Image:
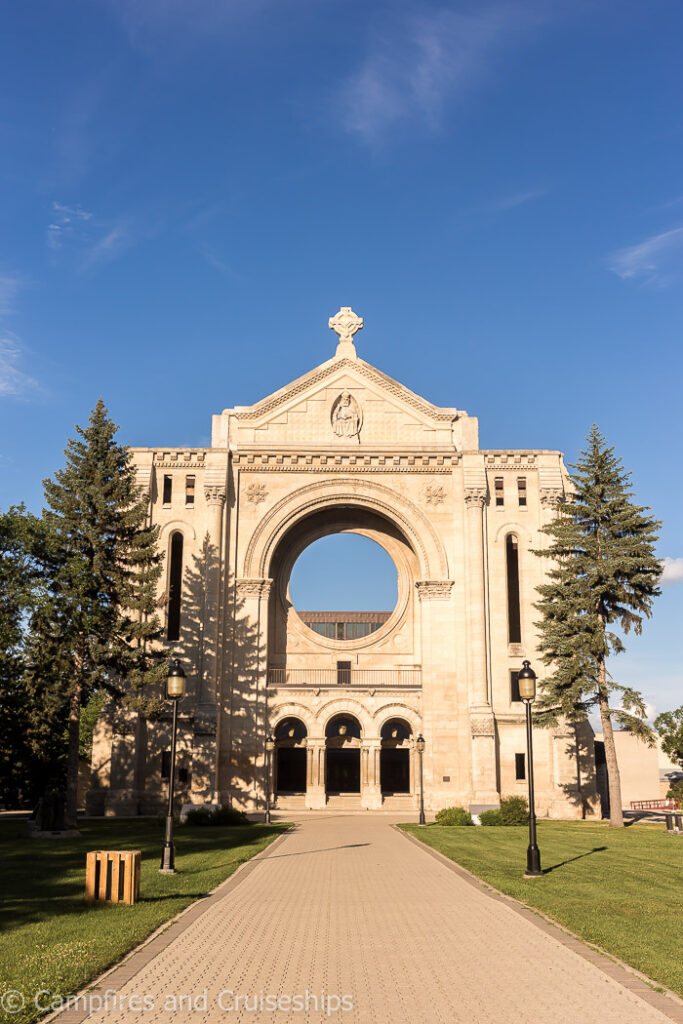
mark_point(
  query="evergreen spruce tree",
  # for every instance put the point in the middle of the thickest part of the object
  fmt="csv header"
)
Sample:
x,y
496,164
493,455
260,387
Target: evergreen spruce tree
x,y
98,628
669,725
603,573
21,591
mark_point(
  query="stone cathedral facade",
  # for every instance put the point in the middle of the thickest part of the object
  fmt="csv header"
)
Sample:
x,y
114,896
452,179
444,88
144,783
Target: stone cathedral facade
x,y
346,449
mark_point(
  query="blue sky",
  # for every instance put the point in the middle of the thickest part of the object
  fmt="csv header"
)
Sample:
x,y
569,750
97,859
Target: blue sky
x,y
344,572
191,187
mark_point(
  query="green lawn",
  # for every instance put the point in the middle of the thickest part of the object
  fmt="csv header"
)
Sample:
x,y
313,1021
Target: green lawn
x,y
620,889
49,939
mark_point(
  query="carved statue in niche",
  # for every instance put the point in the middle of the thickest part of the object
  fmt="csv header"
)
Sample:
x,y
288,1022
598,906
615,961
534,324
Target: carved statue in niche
x,y
346,416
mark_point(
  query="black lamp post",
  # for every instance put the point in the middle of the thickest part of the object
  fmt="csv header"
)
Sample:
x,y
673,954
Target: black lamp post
x,y
270,747
527,692
175,689
420,746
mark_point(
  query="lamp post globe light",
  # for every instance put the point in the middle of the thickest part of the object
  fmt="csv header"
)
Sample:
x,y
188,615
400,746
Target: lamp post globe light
x,y
175,689
527,692
420,746
270,747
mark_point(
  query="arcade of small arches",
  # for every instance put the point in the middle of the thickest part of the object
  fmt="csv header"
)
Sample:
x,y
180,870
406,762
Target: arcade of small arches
x,y
344,758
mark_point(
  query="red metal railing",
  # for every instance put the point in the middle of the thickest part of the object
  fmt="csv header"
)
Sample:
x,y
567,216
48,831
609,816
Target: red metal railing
x,y
656,805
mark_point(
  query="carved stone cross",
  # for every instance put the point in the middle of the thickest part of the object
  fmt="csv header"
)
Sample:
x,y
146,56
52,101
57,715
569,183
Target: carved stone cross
x,y
346,323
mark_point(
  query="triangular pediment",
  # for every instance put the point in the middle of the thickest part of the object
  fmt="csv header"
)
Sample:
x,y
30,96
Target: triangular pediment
x,y
304,412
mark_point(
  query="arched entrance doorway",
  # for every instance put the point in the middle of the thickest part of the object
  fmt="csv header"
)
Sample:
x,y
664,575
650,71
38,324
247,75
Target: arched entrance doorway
x,y
342,756
290,757
394,758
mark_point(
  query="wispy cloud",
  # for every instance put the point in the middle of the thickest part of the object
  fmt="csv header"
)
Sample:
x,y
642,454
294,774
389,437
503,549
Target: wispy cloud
x,y
9,287
14,382
219,264
427,60
657,260
505,203
511,202
670,204
108,246
673,571
65,224
90,239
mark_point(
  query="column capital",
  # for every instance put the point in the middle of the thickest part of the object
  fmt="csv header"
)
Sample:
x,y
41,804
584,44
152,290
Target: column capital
x,y
215,495
550,496
475,497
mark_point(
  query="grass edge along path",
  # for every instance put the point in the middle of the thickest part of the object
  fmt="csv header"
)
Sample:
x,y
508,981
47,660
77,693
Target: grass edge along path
x,y
50,940
616,889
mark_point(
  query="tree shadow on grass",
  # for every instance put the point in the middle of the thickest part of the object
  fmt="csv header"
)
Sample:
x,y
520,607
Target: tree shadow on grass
x,y
569,860
43,878
173,896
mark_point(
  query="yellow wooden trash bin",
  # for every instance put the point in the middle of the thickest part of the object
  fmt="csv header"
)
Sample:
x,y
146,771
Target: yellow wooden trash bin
x,y
112,876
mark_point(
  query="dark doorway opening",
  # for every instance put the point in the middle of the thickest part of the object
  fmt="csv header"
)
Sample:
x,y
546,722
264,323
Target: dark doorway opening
x,y
394,758
291,770
342,757
342,770
394,771
290,756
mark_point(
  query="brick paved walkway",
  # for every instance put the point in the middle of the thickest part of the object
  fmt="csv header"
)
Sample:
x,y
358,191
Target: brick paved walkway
x,y
348,906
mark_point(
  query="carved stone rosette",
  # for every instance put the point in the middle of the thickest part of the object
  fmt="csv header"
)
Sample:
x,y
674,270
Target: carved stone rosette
x,y
483,725
214,495
256,493
475,497
434,590
253,587
434,494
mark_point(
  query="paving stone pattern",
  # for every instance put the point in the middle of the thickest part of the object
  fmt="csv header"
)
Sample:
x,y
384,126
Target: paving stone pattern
x,y
347,906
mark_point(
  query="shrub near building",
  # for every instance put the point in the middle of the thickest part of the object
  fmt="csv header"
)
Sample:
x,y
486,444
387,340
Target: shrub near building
x,y
454,816
514,810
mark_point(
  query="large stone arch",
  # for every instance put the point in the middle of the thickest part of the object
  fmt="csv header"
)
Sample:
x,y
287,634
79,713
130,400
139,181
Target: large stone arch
x,y
407,517
324,522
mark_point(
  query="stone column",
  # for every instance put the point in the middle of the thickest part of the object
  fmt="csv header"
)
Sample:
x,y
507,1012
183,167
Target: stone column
x,y
370,789
204,782
439,702
475,498
414,773
215,500
250,723
315,788
482,725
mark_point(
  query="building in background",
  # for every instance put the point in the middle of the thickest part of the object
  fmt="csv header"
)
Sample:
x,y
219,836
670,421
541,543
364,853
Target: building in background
x,y
646,772
346,448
